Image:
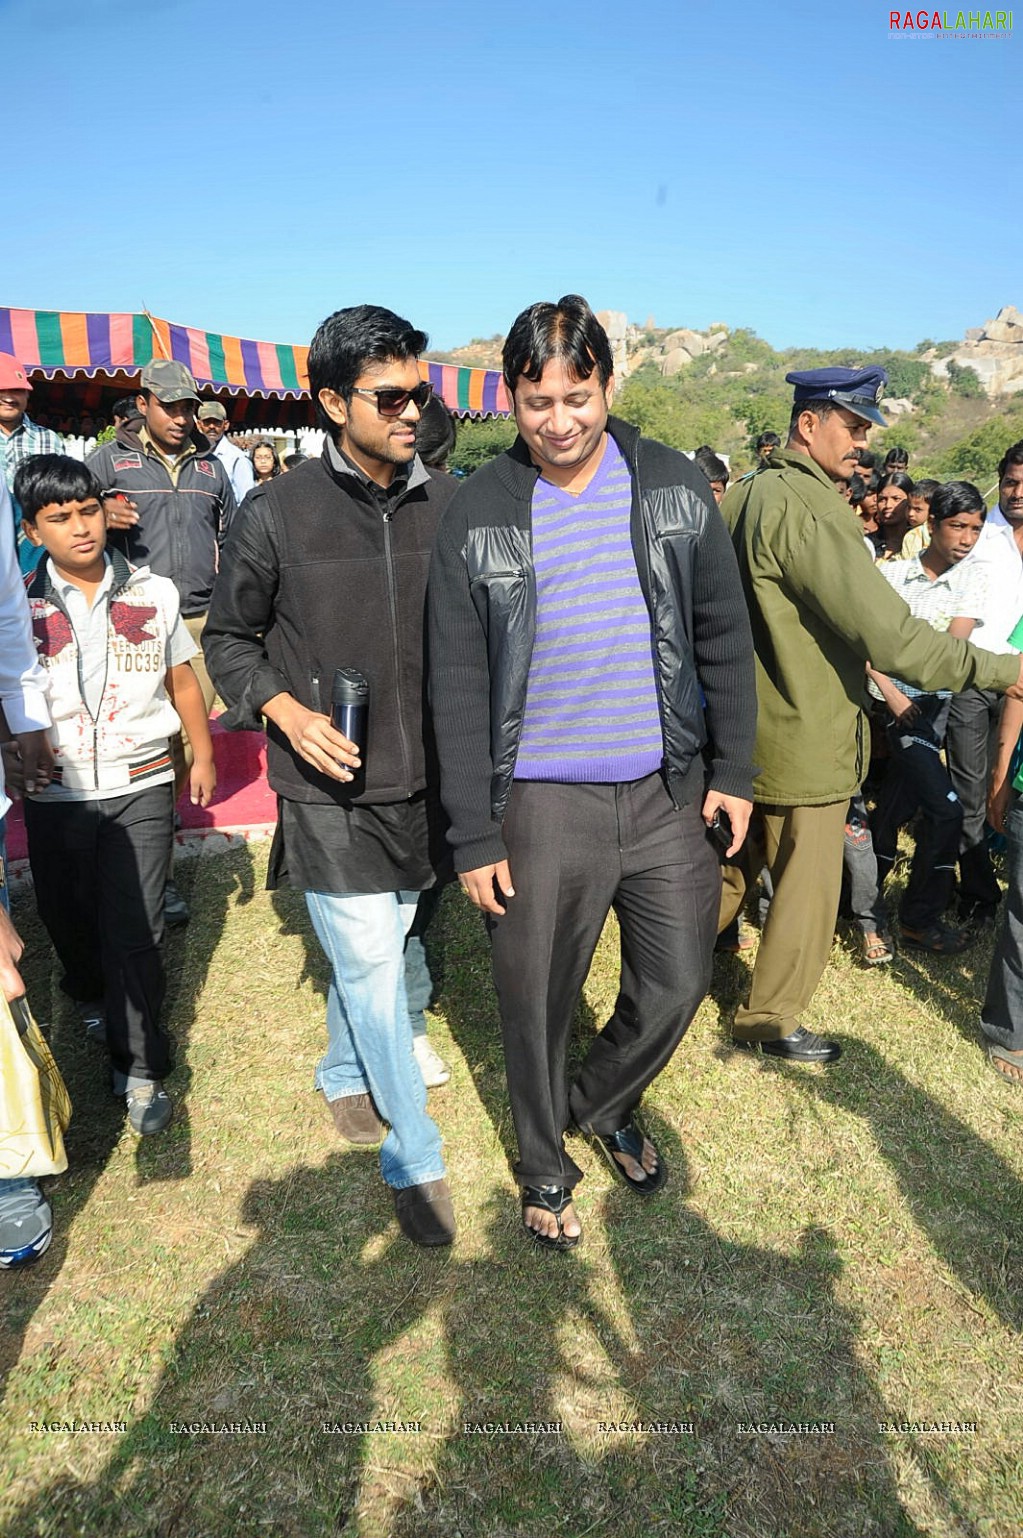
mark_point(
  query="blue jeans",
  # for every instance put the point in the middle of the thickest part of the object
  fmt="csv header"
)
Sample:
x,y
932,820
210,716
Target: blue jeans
x,y
369,1037
418,982
5,893
1001,1018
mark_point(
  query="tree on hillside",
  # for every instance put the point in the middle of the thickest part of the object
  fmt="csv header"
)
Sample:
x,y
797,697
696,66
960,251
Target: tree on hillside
x,y
975,457
479,441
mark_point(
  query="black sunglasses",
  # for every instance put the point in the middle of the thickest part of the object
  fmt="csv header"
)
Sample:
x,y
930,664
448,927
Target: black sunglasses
x,y
391,402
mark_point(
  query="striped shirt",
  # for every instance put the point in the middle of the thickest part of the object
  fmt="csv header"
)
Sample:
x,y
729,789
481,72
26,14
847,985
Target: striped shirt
x,y
26,440
23,443
959,593
591,711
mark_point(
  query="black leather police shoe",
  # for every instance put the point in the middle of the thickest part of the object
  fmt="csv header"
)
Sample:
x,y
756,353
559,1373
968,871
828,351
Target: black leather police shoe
x,y
802,1046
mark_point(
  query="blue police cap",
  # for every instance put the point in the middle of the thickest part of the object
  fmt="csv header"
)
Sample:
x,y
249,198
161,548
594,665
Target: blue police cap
x,y
858,390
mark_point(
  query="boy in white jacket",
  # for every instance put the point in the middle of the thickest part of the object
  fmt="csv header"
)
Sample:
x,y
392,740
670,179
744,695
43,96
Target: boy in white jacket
x,y
116,655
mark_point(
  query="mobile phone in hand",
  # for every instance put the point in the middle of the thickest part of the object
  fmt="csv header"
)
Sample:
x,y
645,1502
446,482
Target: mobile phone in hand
x,y
720,829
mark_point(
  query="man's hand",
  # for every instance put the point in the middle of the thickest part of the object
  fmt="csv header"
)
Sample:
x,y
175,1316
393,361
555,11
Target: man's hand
x,y
478,885
313,737
120,512
909,716
28,763
998,803
36,760
202,781
10,954
739,812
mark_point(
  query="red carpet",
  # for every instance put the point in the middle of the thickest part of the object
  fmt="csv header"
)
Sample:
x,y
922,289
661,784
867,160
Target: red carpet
x,y
244,800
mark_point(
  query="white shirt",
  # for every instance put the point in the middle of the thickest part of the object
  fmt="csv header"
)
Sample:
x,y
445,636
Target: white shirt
x,y
959,593
997,555
22,679
238,467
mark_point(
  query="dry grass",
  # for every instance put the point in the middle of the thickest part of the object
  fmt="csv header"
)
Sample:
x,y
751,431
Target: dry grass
x,y
835,1245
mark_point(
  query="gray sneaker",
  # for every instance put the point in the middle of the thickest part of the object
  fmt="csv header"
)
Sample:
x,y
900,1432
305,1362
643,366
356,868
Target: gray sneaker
x,y
93,1020
150,1108
176,911
26,1223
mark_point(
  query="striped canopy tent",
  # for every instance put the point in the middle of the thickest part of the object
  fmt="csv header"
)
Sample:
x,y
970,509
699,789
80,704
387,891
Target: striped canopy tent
x,y
110,350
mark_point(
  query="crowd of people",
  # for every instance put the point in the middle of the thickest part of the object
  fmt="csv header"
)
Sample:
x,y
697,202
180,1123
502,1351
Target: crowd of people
x,y
597,679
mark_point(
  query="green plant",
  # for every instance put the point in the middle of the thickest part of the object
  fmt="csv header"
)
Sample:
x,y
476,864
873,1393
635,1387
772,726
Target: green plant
x,y
479,441
964,381
975,457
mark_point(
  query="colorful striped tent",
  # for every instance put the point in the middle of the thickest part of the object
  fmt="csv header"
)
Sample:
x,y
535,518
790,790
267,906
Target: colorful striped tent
x,y
112,349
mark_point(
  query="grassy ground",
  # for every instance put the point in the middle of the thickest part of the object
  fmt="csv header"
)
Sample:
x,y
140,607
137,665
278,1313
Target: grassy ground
x,y
836,1247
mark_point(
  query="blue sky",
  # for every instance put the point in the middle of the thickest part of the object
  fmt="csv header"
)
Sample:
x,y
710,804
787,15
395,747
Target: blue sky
x,y
248,168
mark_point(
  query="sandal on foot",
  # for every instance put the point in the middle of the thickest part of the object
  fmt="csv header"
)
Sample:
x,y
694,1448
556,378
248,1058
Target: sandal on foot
x,y
552,1199
1008,1065
937,940
629,1140
876,951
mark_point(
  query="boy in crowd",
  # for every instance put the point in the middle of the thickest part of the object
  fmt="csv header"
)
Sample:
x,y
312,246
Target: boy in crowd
x,y
116,655
973,717
714,468
951,597
918,534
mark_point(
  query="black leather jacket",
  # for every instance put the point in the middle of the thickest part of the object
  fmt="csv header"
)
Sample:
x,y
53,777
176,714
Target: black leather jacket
x,y
482,616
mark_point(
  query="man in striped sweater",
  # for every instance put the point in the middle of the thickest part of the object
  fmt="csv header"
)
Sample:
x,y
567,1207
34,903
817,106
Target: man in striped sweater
x,y
592,687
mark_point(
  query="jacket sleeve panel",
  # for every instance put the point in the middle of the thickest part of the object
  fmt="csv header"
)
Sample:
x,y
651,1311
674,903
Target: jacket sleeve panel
x,y
723,648
241,609
832,573
459,687
100,462
228,506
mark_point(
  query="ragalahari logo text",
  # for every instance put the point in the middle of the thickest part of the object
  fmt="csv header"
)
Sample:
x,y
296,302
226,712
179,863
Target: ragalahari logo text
x,y
952,23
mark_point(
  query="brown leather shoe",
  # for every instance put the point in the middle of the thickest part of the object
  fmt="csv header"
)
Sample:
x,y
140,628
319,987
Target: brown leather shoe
x,y
425,1213
356,1118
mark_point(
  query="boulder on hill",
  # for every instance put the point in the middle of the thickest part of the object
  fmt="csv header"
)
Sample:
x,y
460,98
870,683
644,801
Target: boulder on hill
x,y
1007,326
994,351
674,361
693,342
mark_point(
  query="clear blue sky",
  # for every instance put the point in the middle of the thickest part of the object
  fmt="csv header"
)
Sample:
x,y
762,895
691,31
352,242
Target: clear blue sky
x,y
248,168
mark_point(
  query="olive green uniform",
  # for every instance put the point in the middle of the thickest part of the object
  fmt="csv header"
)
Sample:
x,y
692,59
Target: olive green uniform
x,y
819,611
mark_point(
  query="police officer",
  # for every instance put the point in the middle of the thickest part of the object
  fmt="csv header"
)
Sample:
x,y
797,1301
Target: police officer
x,y
819,610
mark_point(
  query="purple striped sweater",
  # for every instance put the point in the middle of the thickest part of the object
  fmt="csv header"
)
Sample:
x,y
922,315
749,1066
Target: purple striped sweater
x,y
591,711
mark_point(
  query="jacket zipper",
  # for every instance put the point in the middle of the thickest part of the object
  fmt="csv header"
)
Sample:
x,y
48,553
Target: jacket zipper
x,y
638,491
392,600
58,603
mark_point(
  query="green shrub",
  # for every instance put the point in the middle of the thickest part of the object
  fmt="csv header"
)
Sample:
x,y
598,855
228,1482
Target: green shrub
x,y
479,441
964,381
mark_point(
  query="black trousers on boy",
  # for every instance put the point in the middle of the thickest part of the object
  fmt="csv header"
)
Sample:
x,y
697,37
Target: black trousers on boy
x,y
99,869
576,852
971,721
918,780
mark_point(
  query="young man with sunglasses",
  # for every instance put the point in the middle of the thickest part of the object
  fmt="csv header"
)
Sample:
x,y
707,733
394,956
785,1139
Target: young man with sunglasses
x,y
326,568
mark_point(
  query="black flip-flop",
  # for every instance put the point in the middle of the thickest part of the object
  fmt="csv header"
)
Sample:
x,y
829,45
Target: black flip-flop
x,y
629,1140
552,1199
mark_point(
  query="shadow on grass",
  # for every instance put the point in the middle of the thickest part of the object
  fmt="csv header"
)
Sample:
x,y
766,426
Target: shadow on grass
x,y
98,1121
964,1197
331,1321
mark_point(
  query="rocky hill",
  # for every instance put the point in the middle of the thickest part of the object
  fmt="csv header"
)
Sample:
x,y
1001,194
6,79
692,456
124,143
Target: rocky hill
x,y
994,351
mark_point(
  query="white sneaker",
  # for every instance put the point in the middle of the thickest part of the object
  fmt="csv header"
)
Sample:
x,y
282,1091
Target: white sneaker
x,y
432,1066
26,1223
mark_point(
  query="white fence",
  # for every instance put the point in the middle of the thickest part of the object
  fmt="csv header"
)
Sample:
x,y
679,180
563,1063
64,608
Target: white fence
x,y
306,440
